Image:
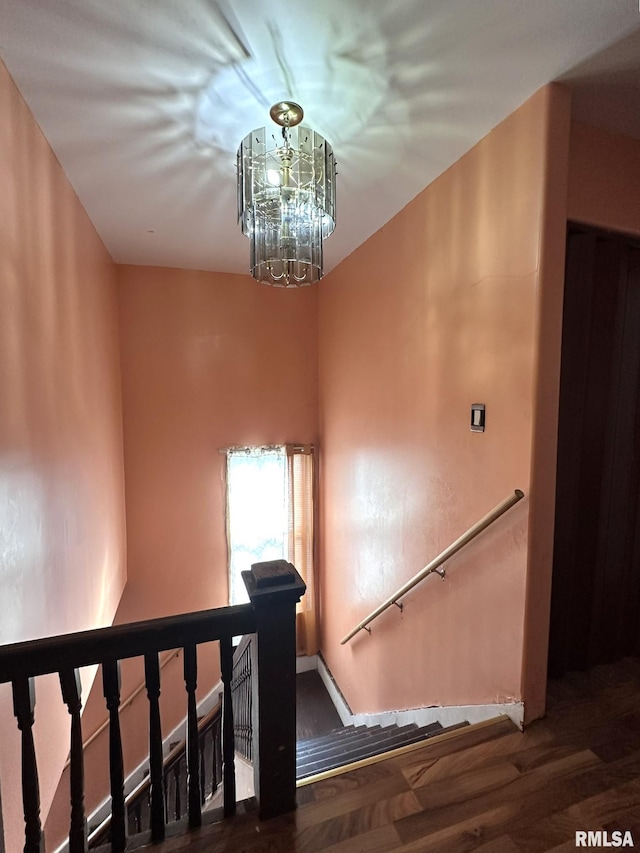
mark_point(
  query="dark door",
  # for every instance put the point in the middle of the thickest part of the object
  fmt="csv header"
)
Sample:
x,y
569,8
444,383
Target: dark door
x,y
595,604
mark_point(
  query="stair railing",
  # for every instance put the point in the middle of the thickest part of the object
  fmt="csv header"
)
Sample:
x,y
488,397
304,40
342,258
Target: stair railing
x,y
434,565
124,703
274,589
138,801
241,691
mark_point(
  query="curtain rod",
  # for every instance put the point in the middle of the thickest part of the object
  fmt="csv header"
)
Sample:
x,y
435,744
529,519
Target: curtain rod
x,y
300,448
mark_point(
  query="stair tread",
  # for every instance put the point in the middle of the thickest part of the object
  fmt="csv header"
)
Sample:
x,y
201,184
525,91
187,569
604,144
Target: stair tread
x,y
352,739
341,732
321,766
366,749
349,740
370,737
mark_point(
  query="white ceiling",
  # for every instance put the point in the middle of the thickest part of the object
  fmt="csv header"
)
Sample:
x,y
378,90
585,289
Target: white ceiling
x,y
145,101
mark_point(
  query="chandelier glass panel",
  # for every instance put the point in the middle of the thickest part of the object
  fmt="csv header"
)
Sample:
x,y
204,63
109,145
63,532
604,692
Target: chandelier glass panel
x,y
286,198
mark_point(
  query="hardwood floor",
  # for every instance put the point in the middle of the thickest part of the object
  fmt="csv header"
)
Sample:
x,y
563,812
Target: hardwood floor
x,y
490,789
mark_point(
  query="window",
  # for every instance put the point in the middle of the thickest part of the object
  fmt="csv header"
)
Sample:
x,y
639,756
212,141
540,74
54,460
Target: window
x,y
270,516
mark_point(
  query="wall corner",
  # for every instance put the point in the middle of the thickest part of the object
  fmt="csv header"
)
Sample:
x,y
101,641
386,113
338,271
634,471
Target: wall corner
x,y
546,385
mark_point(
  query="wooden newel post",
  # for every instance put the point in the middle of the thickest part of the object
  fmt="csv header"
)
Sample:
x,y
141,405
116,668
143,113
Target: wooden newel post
x,y
274,589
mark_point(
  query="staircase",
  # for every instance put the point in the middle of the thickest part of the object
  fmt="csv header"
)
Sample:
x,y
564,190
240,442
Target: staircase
x,y
269,618
349,744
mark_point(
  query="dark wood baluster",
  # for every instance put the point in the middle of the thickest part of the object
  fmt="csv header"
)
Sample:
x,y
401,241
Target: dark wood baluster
x,y
249,710
111,691
238,710
145,811
178,800
156,775
246,689
241,692
71,695
218,752
210,763
228,746
201,748
24,700
193,760
137,817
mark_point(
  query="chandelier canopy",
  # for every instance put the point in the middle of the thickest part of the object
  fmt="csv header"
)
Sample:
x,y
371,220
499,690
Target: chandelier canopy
x,y
286,198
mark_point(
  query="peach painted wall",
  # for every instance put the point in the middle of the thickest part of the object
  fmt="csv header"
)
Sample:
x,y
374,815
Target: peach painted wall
x,y
436,311
604,179
208,361
62,525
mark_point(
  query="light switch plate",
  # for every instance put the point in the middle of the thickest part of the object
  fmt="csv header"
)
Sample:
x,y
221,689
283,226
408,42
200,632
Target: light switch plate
x,y
477,417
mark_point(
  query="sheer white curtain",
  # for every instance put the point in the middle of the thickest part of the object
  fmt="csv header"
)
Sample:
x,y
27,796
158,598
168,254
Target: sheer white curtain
x,y
256,511
270,516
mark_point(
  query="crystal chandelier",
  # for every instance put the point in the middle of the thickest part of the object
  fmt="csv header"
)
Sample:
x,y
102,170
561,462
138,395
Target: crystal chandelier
x,y
286,198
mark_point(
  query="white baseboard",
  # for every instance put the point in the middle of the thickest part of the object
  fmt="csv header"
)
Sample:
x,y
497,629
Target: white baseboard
x,y
446,715
305,663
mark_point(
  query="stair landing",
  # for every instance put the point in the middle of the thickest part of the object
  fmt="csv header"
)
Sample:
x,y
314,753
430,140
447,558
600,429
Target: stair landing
x,y
315,712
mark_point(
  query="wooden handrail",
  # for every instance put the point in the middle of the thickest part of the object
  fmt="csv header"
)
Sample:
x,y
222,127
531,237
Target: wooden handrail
x,y
435,564
86,648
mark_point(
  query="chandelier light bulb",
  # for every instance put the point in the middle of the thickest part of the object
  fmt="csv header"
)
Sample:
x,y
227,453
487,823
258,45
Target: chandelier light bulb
x,y
286,198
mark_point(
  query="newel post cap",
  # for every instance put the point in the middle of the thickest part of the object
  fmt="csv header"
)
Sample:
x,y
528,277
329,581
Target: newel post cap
x,y
273,581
